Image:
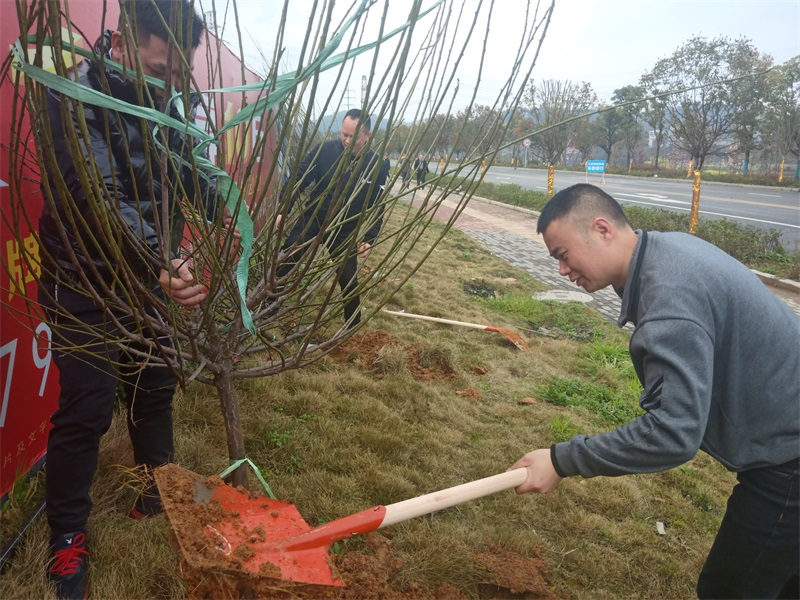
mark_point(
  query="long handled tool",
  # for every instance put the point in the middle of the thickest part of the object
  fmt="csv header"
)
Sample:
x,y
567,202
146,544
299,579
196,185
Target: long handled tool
x,y
232,530
512,336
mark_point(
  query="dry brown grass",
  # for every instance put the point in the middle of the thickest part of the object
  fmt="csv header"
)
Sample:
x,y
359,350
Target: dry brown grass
x,y
335,439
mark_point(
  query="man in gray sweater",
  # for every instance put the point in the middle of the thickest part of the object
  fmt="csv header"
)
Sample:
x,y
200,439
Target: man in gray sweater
x,y
718,357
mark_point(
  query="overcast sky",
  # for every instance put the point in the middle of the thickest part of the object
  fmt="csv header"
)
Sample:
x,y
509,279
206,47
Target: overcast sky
x,y
608,43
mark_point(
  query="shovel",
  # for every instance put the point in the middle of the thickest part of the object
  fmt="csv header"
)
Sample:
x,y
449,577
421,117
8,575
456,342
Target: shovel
x,y
222,529
512,336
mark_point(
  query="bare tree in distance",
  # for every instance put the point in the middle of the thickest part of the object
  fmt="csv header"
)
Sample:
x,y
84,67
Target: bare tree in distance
x,y
552,106
703,117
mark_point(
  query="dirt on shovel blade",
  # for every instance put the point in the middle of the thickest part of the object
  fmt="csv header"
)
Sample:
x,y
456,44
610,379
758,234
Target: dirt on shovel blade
x,y
228,540
227,553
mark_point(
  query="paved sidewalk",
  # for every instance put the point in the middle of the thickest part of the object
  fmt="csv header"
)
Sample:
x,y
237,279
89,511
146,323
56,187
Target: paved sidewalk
x,y
509,232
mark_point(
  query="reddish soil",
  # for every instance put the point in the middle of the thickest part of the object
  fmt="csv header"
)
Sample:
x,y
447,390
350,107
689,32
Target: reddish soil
x,y
363,349
212,567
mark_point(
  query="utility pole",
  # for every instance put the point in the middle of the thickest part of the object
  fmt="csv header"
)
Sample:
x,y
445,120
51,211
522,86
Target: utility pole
x,y
363,90
348,94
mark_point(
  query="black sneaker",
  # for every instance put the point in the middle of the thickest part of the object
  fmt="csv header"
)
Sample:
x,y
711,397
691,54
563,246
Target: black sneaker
x,y
67,569
147,505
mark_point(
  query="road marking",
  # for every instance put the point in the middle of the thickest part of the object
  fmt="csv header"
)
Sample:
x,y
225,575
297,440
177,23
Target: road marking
x,y
655,198
716,214
767,195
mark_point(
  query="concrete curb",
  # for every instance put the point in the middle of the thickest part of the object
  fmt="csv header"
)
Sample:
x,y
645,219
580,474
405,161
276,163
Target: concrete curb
x,y
772,280
769,280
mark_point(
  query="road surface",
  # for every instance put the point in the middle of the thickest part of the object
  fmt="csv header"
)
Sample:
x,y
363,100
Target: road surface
x,y
760,207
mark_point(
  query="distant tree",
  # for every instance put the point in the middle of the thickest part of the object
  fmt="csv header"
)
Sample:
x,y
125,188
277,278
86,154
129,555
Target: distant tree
x,y
782,111
631,136
702,120
479,129
520,126
747,96
653,110
550,103
587,135
610,128
631,131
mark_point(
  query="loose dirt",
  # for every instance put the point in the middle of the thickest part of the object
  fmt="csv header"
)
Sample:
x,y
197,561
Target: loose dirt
x,y
212,569
364,349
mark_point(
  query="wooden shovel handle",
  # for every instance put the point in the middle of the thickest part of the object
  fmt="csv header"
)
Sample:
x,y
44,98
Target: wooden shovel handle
x,y
436,501
434,319
381,516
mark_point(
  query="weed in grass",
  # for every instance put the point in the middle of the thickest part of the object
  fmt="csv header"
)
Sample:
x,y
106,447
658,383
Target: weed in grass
x,y
562,428
278,438
479,289
598,399
570,320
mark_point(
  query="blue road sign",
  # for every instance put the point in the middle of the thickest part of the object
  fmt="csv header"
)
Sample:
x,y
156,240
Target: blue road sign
x,y
595,166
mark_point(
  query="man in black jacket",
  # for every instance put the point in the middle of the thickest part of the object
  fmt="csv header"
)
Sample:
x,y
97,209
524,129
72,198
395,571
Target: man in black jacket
x,y
105,227
421,169
344,186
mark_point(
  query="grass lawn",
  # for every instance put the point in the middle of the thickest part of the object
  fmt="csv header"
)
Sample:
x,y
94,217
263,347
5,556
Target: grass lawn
x,y
410,407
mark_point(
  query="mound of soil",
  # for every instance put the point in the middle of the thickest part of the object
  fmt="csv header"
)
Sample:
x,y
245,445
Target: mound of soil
x,y
212,568
364,349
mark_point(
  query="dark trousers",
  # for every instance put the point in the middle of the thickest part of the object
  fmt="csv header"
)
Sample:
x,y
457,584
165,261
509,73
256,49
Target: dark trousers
x,y
757,551
90,366
348,276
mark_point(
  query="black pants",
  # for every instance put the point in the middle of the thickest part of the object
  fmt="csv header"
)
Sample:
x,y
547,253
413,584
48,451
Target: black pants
x,y
348,276
756,553
90,366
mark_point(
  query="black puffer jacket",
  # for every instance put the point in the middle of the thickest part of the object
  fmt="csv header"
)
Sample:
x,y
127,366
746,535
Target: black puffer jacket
x,y
127,187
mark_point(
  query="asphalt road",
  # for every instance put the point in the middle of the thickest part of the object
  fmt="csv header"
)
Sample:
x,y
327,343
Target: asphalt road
x,y
760,207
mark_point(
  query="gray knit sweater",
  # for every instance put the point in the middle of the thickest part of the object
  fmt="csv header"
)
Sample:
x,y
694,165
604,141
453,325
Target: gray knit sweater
x,y
718,356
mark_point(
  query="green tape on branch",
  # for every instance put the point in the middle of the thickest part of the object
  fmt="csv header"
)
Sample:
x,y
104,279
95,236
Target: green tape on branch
x,y
107,62
236,464
281,87
283,84
88,95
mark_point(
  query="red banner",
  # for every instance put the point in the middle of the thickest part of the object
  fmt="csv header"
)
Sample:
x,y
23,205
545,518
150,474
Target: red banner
x,y
28,377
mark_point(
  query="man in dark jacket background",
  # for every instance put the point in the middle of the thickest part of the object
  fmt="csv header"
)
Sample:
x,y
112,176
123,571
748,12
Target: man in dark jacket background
x,y
718,357
421,168
106,229
344,184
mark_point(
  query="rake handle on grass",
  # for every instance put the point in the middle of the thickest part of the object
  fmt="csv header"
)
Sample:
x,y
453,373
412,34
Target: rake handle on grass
x,y
381,516
438,320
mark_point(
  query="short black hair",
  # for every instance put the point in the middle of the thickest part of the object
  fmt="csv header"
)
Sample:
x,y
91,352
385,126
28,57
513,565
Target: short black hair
x,y
153,17
355,113
580,200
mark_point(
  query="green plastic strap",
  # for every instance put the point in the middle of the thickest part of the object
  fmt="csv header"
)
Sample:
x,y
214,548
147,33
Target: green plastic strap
x,y
227,189
107,62
91,96
236,464
283,85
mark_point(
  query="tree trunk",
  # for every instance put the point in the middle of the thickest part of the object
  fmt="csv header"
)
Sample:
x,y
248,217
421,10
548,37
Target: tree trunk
x,y
233,422
746,161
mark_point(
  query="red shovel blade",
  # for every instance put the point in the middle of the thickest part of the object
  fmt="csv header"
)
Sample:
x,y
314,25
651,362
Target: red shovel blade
x,y
257,528
222,529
